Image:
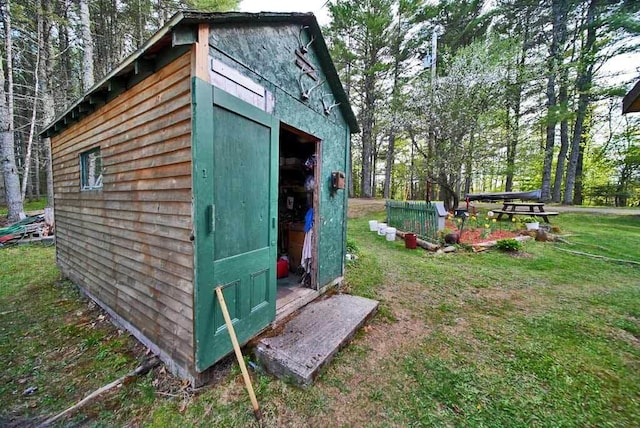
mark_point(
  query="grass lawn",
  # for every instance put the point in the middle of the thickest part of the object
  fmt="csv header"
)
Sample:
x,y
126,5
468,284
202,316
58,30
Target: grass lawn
x,y
34,205
545,338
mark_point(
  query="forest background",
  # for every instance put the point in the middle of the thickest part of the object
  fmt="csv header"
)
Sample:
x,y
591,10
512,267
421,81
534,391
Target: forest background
x,y
452,97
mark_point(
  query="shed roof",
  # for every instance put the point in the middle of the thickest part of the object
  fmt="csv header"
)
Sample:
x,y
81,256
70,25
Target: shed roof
x,y
631,101
143,62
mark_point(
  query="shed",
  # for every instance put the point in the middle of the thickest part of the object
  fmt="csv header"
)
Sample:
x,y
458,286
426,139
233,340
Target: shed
x,y
631,101
195,163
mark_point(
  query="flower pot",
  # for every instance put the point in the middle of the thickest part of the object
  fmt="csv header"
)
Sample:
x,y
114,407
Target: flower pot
x,y
533,226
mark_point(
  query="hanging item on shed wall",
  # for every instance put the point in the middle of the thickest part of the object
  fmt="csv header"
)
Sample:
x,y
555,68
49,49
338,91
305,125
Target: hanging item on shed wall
x,y
337,180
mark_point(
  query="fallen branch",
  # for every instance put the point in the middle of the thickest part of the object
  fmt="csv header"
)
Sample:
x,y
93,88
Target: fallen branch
x,y
140,370
421,242
595,256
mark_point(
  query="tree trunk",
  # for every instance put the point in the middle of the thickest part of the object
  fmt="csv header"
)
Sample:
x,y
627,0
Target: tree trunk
x,y
367,136
564,139
389,165
7,154
48,107
577,193
559,31
514,135
36,171
87,43
583,87
34,110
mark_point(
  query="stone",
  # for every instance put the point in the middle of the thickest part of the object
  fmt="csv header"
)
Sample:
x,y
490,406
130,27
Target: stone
x,y
310,340
449,249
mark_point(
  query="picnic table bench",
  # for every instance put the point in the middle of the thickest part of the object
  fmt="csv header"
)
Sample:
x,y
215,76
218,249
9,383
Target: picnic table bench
x,y
512,209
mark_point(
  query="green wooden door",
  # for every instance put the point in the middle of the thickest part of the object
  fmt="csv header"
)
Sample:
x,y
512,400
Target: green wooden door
x,y
242,229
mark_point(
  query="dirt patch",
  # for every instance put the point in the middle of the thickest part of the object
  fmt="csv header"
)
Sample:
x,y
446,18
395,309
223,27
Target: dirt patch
x,y
360,207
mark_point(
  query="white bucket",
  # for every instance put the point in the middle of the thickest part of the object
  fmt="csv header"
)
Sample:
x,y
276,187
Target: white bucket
x,y
391,233
382,229
533,226
373,225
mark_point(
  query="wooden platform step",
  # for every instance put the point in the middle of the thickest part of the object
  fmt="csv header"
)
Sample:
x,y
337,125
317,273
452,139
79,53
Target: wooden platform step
x,y
311,339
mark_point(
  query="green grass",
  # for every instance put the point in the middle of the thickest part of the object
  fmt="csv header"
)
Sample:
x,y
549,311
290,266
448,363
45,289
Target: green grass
x,y
35,205
541,338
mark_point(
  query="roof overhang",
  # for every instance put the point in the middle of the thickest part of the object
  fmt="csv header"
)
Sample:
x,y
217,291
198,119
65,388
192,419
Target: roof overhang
x,y
177,34
631,101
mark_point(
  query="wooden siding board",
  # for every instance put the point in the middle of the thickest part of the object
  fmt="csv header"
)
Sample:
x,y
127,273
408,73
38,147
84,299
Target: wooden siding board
x,y
126,308
158,230
179,195
153,267
126,291
175,71
172,297
182,246
118,129
173,262
129,243
178,222
169,130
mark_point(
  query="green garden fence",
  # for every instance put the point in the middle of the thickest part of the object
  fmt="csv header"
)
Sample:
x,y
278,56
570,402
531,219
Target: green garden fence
x,y
416,217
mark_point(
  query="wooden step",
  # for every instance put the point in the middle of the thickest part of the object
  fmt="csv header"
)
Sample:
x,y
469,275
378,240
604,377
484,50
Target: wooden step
x,y
312,338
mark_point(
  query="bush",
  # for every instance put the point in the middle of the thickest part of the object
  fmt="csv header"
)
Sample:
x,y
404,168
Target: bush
x,y
352,247
509,244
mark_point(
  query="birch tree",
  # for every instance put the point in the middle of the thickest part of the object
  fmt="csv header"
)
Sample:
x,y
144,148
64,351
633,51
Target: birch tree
x,y
87,44
7,152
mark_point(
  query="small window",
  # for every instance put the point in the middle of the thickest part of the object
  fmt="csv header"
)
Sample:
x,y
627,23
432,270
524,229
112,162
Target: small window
x,y
91,169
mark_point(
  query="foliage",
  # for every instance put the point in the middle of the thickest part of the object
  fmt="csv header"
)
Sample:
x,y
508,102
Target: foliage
x,y
508,245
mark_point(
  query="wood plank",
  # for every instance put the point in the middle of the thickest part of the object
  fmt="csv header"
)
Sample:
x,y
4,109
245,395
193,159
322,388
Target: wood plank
x,y
163,171
155,117
161,330
166,208
161,159
130,120
179,299
184,260
200,54
170,183
177,222
149,228
184,246
143,195
173,72
96,285
145,263
165,134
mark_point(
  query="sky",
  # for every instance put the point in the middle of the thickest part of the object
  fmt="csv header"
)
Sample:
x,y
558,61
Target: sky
x,y
315,6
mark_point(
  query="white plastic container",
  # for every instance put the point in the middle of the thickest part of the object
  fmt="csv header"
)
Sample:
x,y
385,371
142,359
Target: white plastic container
x,y
382,229
391,233
533,226
373,225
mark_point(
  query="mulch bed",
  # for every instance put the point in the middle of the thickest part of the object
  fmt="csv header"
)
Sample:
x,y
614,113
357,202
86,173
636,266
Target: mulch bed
x,y
475,236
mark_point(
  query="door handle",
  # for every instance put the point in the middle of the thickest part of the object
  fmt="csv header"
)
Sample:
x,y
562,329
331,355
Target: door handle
x,y
211,218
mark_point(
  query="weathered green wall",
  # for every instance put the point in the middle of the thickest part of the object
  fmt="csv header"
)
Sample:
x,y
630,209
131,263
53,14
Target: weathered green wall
x,y
266,54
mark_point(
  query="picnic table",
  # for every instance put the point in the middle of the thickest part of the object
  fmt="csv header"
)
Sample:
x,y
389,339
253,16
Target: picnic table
x,y
512,209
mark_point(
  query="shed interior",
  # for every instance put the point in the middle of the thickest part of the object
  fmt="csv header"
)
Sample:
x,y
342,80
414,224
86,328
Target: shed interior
x,y
297,203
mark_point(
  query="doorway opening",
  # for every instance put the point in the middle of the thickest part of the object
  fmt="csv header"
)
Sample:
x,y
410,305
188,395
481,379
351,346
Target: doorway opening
x,y
298,193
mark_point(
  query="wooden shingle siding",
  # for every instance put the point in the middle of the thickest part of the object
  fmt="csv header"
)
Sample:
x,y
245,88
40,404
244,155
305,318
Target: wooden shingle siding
x,y
128,244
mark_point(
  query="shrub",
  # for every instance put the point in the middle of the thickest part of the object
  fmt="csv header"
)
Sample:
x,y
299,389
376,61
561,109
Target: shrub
x,y
509,244
352,247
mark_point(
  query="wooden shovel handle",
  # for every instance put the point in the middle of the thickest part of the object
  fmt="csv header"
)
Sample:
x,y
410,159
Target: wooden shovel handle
x,y
236,348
